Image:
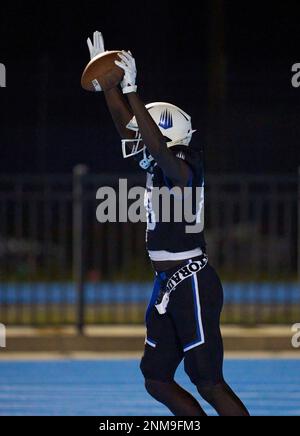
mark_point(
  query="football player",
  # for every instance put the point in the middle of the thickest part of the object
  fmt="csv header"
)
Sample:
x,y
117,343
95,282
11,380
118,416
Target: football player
x,y
183,316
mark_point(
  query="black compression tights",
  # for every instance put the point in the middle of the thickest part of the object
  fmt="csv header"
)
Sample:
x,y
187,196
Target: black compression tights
x,y
181,403
174,397
222,398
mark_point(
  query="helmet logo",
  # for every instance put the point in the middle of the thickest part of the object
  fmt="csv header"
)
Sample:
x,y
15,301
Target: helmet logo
x,y
166,120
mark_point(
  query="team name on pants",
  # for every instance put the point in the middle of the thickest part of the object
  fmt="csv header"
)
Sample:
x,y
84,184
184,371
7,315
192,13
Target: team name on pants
x,y
184,272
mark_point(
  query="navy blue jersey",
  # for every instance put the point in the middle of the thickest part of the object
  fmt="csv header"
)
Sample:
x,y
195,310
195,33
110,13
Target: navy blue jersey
x,y
170,240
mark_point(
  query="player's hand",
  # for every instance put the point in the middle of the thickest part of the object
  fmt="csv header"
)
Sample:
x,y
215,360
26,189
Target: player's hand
x,y
97,46
127,63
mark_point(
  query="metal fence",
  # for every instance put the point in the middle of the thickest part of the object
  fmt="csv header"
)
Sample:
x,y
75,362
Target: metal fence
x,y
58,265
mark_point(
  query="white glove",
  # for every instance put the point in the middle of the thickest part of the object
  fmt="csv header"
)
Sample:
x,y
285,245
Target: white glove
x,y
97,46
127,63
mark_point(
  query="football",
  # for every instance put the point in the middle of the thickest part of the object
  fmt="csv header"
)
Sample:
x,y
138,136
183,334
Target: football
x,y
101,73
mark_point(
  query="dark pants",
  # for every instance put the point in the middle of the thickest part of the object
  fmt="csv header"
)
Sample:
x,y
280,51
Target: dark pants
x,y
189,330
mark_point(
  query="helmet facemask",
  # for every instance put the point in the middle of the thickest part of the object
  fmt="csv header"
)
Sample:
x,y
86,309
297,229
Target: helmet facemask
x,y
134,147
164,120
131,147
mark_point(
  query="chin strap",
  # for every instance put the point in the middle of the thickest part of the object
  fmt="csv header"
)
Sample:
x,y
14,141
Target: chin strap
x,y
146,161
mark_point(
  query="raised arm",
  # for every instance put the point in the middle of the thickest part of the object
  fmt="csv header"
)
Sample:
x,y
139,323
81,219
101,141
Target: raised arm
x,y
175,169
120,111
116,102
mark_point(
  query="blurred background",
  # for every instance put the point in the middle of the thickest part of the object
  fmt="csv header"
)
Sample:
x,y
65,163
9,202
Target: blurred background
x,y
226,63
73,292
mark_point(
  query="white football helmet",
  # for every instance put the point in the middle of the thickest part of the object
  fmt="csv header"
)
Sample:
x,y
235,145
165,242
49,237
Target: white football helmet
x,y
174,124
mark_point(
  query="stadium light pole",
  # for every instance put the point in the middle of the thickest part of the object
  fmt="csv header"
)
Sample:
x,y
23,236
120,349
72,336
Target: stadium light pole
x,y
79,173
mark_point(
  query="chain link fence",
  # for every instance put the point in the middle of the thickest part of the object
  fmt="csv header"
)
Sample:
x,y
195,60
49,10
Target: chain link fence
x,y
59,266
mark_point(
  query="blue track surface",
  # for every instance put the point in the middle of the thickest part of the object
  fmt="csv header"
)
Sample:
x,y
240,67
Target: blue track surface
x,y
135,292
115,387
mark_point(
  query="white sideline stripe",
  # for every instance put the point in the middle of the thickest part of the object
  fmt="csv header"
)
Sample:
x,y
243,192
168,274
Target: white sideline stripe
x,y
194,276
193,346
150,343
158,255
195,280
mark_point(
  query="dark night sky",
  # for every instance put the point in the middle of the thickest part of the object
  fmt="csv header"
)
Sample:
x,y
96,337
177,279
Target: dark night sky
x,y
48,123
